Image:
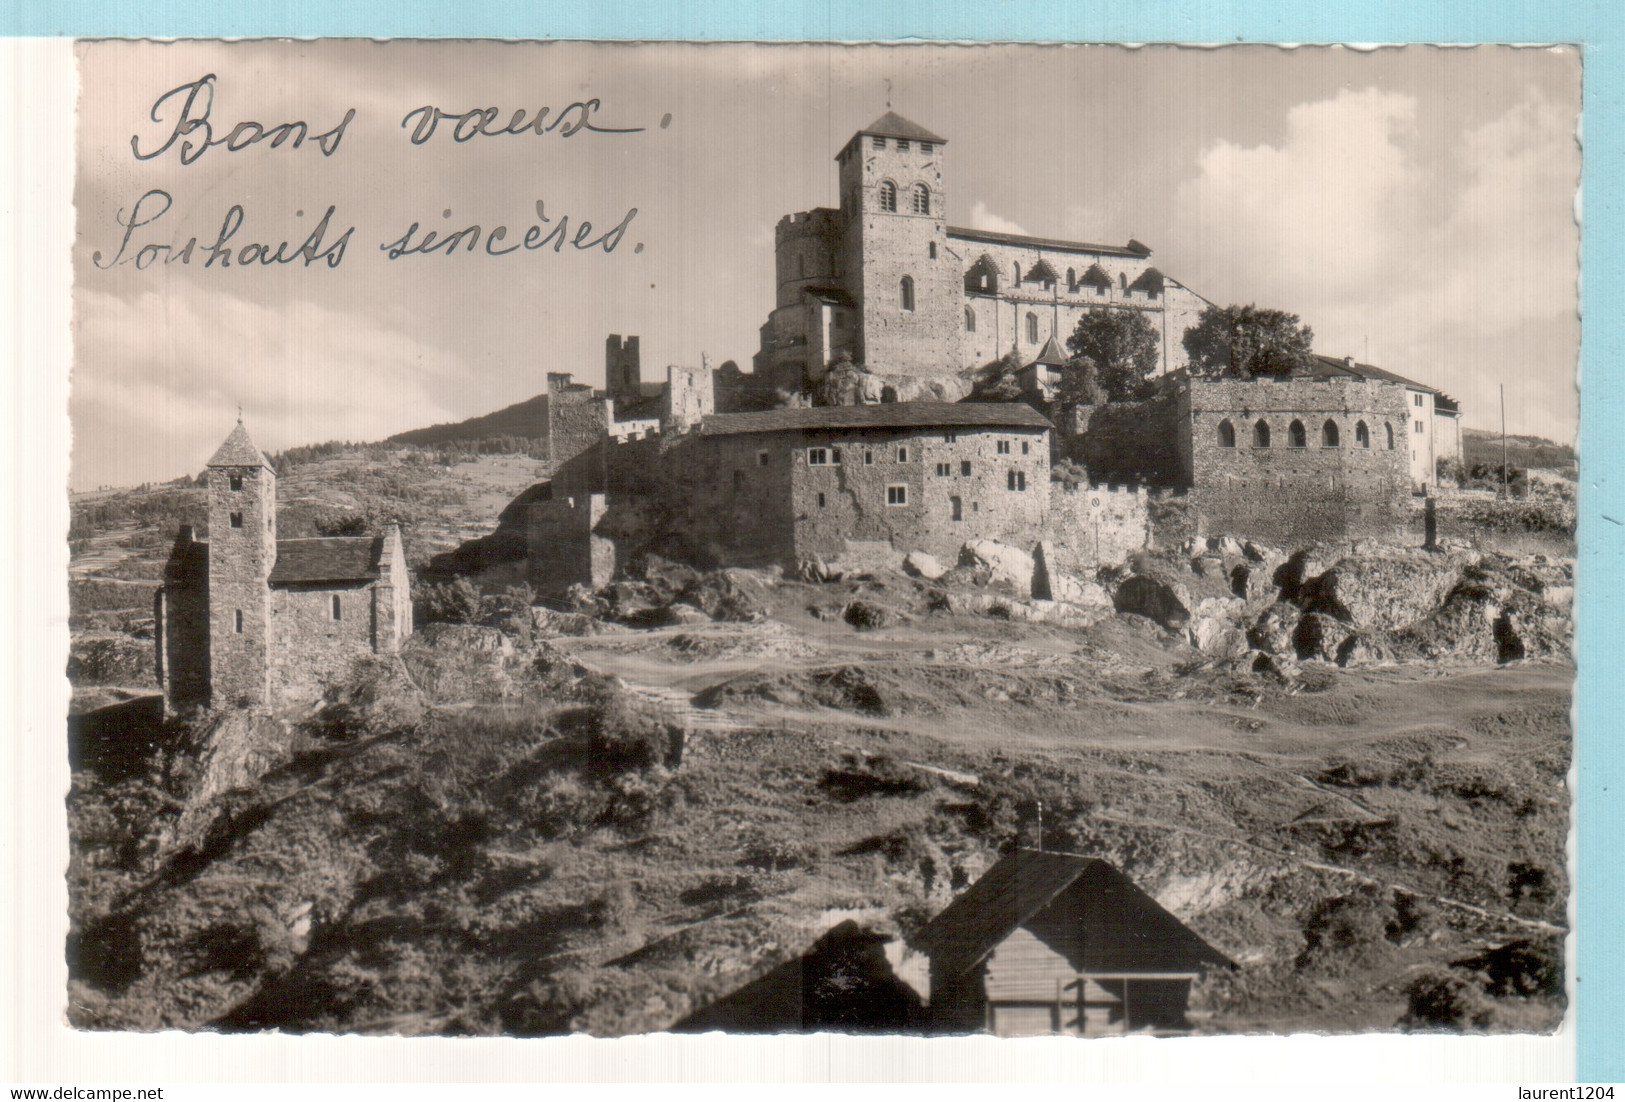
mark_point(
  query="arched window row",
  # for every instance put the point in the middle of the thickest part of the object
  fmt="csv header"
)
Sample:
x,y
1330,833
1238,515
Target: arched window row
x,y
919,197
1297,435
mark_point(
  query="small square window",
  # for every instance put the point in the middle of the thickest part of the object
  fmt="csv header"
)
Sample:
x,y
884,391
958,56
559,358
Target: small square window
x,y
1416,399
868,458
1024,447
817,457
896,495
964,467
236,520
902,144
236,482
1004,447
950,437
902,455
835,455
878,143
1418,428
761,459
944,470
927,147
820,499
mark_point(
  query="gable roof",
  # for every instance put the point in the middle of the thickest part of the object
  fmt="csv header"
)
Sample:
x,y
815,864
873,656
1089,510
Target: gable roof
x,y
1149,280
885,415
1041,272
1120,928
239,451
965,233
328,559
893,125
1096,275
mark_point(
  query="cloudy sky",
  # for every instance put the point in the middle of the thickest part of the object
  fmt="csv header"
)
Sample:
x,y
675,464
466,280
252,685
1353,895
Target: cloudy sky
x,y
1415,206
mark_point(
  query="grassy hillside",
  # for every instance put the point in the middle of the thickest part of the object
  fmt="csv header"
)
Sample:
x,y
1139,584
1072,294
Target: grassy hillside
x,y
525,420
1480,447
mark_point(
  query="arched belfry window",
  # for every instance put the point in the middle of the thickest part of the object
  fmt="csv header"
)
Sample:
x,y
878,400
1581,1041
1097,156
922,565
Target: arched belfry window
x,y
1032,328
1261,434
888,195
1362,434
1389,429
905,293
1328,434
920,198
1227,434
1296,437
970,320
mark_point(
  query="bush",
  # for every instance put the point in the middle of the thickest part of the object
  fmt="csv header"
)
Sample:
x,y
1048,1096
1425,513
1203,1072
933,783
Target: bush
x,y
624,735
1441,999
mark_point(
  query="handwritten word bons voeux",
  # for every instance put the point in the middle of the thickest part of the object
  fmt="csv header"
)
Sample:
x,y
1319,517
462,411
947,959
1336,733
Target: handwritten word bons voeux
x,y
194,120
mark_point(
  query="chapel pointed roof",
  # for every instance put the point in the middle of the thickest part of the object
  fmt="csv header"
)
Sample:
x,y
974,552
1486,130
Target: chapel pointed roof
x,y
239,451
893,125
1051,355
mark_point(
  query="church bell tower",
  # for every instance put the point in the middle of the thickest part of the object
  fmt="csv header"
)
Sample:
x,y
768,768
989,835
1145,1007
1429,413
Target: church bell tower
x,y
242,551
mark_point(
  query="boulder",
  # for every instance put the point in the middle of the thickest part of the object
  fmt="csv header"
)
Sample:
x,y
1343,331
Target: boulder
x,y
1217,638
1363,650
1320,636
922,565
1301,567
1166,602
1273,631
1050,584
1382,593
1010,565
731,594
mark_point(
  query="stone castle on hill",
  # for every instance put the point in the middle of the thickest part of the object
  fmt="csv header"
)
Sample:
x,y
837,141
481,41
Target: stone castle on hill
x,y
245,619
884,280
695,468
724,467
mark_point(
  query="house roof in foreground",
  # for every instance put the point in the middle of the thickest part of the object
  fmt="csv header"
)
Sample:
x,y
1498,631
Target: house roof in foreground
x,y
1116,926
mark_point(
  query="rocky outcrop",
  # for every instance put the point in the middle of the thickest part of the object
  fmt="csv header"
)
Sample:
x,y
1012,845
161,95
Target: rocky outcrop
x,y
1008,565
1383,592
921,565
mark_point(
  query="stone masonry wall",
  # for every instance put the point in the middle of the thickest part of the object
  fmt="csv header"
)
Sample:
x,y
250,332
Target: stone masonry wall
x,y
181,622
1290,494
240,560
1093,526
576,419
312,647
930,465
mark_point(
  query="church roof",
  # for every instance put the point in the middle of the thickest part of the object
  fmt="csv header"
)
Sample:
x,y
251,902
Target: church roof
x,y
965,233
239,451
893,125
1328,367
1116,927
1042,272
1051,356
884,415
1096,276
327,559
1149,280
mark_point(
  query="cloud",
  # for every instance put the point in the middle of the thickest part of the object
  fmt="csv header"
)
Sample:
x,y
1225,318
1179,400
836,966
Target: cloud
x,y
983,219
1448,254
163,373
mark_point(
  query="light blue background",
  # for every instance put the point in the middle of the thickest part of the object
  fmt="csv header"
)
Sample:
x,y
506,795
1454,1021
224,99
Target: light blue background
x,y
1598,25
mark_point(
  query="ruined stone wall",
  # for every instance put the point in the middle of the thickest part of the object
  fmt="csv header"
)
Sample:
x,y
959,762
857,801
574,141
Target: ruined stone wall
x,y
931,467
313,648
576,418
391,596
240,559
623,371
181,632
691,395
1093,526
560,547
1283,493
